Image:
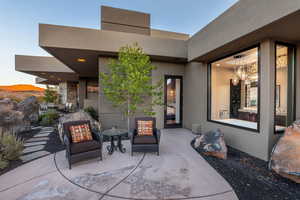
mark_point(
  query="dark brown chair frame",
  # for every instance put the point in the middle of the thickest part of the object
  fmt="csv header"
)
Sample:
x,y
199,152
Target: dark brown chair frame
x,y
72,158
154,147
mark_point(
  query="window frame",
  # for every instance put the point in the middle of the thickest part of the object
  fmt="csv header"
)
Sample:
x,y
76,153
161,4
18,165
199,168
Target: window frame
x,y
294,82
209,89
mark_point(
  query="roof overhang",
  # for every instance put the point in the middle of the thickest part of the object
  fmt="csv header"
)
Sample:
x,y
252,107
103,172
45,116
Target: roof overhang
x,y
246,23
67,44
47,68
39,80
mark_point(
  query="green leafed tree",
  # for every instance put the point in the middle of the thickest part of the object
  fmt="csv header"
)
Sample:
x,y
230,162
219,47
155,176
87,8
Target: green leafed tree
x,y
128,83
50,95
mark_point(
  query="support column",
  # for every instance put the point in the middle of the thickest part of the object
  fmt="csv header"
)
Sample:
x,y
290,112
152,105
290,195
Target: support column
x,y
82,92
72,93
267,93
297,82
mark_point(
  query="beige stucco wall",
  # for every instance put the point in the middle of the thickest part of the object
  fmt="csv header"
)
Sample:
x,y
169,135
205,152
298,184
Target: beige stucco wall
x,y
112,116
81,92
193,94
122,20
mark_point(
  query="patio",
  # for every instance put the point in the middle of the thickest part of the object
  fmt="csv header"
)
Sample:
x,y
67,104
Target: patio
x,y
178,173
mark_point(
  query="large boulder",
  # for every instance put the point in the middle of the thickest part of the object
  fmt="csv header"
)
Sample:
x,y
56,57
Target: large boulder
x,y
77,116
11,119
7,105
285,158
30,108
212,143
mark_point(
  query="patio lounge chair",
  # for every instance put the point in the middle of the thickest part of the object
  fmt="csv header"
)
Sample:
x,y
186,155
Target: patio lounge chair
x,y
78,151
145,138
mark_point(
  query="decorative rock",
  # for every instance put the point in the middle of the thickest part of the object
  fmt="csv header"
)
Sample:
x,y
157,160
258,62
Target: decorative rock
x,y
7,105
11,119
77,116
285,158
212,143
30,109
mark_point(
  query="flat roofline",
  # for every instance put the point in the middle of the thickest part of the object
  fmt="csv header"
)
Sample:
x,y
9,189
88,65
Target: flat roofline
x,y
237,23
39,63
104,41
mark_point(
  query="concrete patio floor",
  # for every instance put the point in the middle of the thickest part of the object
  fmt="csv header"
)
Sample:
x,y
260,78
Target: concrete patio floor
x,y
178,173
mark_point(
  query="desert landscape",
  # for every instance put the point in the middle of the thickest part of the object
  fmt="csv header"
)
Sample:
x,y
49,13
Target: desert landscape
x,y
20,92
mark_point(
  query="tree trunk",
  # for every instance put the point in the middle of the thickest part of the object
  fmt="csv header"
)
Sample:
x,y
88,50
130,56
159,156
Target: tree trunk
x,y
128,117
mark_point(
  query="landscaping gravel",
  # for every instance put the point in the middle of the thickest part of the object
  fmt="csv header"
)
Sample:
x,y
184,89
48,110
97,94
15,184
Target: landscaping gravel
x,y
251,179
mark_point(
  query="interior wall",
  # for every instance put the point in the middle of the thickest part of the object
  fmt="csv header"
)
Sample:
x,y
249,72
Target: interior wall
x,y
281,80
221,90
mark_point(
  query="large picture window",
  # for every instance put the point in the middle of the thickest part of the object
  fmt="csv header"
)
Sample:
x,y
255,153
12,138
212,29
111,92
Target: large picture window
x,y
234,90
284,86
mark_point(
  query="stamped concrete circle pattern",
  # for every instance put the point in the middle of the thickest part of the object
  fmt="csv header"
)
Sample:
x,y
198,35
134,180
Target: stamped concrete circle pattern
x,y
178,173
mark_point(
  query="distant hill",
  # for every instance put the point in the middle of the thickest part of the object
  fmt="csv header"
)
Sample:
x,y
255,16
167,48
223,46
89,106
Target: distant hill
x,y
21,88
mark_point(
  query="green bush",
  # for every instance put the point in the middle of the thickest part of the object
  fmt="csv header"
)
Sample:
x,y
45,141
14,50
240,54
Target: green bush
x,y
92,112
3,163
10,149
49,118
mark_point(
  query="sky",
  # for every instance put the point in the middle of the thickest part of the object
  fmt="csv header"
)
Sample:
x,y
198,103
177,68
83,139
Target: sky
x,y
19,21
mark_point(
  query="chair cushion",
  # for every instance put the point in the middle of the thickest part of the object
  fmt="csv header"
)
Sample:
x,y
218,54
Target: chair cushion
x,y
145,127
85,146
80,133
144,140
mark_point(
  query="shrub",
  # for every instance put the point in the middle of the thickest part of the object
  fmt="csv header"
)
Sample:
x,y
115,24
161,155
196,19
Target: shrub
x,y
92,112
48,118
10,149
3,163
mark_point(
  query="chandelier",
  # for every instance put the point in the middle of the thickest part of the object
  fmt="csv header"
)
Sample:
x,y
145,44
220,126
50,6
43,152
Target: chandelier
x,y
243,70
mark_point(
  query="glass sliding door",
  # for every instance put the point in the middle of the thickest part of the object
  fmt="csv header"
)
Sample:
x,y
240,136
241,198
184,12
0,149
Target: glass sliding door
x,y
284,86
173,102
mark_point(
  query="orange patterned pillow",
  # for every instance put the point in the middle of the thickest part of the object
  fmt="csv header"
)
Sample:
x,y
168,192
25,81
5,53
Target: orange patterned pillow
x,y
81,133
145,127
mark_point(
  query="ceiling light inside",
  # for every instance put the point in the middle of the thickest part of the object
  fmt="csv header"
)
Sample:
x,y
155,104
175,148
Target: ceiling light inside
x,y
82,60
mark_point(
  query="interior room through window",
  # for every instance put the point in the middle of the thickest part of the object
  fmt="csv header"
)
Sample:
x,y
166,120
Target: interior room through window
x,y
234,90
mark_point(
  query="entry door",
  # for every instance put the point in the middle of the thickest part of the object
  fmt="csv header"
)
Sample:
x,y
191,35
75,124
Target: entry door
x,y
173,102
